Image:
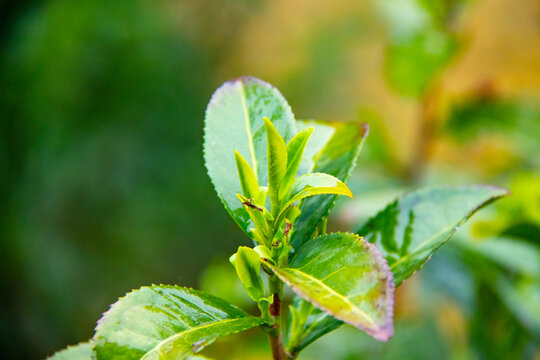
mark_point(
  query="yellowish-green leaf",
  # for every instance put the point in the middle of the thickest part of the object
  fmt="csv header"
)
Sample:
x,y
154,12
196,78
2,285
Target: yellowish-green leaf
x,y
263,252
346,277
332,149
315,184
408,231
82,351
295,150
248,265
248,181
234,121
256,213
277,161
166,322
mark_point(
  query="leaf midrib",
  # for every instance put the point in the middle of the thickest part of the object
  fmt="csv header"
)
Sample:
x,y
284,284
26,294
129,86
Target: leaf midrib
x,y
447,229
247,123
186,332
332,291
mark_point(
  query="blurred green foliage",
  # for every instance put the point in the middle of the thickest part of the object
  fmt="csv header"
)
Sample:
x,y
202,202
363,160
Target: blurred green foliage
x,y
103,189
105,101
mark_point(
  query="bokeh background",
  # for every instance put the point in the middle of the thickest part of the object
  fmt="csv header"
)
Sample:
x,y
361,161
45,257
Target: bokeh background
x,y
103,187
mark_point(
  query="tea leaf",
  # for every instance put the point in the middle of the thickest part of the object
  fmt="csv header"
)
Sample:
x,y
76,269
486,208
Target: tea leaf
x,y
410,229
310,185
234,121
277,161
315,184
347,278
166,322
248,181
248,264
416,224
295,150
333,150
82,351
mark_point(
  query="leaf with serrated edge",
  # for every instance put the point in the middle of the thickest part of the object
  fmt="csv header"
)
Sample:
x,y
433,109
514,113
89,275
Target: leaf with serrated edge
x,y
347,278
411,228
82,351
166,322
333,149
234,121
438,213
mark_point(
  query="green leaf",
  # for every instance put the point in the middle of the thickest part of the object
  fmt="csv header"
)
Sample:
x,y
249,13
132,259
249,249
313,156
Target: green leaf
x,y
310,185
316,184
248,181
82,351
263,252
347,278
295,150
166,322
234,121
415,225
257,215
277,161
333,149
248,264
410,229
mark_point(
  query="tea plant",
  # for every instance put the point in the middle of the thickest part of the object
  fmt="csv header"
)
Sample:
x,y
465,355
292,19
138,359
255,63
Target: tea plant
x,y
279,178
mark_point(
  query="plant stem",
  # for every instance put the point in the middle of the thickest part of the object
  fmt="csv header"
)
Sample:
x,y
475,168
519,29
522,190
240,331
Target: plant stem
x,y
278,352
276,288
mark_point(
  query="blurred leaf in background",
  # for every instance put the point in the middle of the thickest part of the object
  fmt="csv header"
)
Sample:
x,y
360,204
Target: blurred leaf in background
x,y
105,105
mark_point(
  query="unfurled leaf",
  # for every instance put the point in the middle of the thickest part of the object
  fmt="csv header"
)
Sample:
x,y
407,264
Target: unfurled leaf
x,y
263,252
333,149
248,181
416,224
346,277
166,322
82,351
277,161
248,265
234,121
410,229
314,184
295,150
